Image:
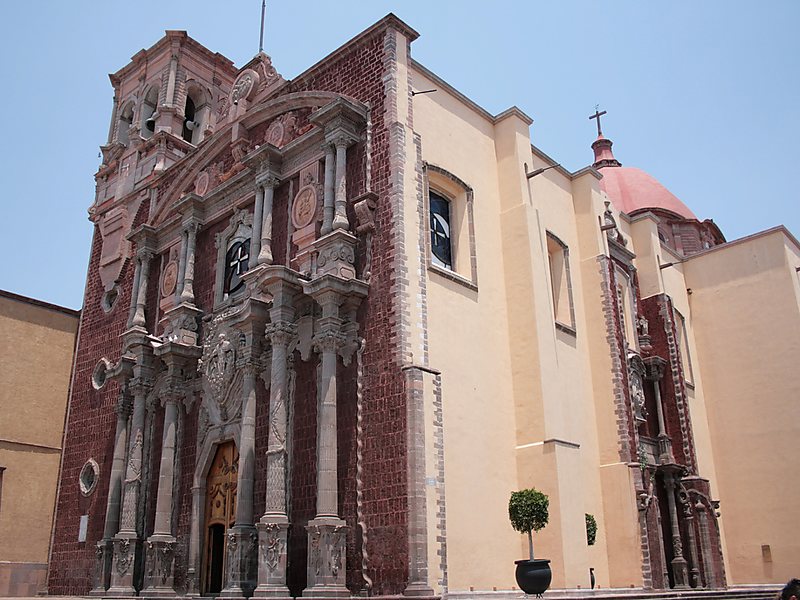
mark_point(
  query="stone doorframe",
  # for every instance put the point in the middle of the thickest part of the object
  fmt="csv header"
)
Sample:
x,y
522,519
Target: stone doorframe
x,y
215,436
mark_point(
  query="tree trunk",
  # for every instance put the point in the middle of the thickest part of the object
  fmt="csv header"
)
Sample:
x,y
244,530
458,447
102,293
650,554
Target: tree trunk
x,y
530,544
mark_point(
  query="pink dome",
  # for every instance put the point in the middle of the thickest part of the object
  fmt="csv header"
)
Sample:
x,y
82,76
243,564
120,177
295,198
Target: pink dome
x,y
631,190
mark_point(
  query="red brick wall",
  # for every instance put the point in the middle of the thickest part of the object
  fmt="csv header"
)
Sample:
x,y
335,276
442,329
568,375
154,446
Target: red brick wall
x,y
91,423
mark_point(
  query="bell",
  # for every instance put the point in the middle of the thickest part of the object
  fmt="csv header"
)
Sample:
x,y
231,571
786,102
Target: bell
x,y
192,125
150,123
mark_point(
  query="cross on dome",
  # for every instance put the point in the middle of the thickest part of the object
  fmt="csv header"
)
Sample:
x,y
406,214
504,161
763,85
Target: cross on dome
x,y
597,114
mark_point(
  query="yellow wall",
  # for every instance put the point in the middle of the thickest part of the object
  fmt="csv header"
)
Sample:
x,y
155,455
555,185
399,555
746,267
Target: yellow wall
x,y
745,307
474,360
36,354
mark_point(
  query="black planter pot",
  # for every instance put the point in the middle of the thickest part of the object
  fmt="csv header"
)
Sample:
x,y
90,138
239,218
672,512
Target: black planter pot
x,y
534,576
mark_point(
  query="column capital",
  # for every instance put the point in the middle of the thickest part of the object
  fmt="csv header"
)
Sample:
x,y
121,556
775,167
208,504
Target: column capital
x,y
191,225
124,405
328,341
267,179
265,158
281,333
140,386
191,207
144,237
342,138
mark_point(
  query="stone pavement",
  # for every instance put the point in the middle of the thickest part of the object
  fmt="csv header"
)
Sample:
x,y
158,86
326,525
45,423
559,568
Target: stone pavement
x,y
750,592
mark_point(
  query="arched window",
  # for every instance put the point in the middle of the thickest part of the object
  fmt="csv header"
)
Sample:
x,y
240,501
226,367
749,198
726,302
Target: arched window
x,y
233,258
195,113
236,262
451,228
149,114
124,122
441,249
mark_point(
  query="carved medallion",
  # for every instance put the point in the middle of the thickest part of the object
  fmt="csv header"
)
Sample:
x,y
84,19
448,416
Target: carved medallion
x,y
169,280
275,133
245,86
304,207
202,183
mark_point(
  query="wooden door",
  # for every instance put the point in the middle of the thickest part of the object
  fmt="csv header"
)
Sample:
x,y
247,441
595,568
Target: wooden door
x,y
220,515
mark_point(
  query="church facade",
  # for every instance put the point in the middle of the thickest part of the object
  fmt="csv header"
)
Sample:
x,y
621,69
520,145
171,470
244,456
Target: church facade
x,y
330,324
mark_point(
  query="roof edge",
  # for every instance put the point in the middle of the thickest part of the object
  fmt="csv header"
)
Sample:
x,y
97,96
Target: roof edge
x,y
749,238
389,21
40,303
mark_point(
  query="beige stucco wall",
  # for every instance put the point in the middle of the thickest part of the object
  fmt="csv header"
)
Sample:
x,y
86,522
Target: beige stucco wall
x,y
529,404
467,337
36,354
523,388
745,307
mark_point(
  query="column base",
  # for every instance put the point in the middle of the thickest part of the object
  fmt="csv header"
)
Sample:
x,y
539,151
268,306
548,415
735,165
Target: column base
x,y
680,574
242,569
104,554
272,537
159,567
125,564
327,539
419,590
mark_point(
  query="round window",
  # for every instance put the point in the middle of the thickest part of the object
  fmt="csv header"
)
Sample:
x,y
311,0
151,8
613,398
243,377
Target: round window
x,y
90,475
109,299
100,373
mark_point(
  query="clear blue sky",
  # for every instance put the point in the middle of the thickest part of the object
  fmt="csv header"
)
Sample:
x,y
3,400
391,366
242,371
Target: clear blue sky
x,y
704,95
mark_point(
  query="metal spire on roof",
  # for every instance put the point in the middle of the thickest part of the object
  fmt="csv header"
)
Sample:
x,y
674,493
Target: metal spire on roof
x,y
261,36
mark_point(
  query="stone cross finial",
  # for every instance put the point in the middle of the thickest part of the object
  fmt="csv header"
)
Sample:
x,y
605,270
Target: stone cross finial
x,y
597,114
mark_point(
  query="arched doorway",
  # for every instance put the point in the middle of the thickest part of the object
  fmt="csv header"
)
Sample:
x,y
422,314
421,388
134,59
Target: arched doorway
x,y
220,514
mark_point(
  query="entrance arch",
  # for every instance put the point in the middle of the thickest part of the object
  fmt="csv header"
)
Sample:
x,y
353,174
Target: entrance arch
x,y
219,515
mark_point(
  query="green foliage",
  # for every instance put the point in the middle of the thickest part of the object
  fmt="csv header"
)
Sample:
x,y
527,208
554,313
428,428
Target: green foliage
x,y
528,510
591,529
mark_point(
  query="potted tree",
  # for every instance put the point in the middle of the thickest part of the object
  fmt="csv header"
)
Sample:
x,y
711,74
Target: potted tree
x,y
528,511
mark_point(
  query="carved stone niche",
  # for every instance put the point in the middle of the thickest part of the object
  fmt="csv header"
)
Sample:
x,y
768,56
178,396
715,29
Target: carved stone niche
x,y
636,377
168,282
306,209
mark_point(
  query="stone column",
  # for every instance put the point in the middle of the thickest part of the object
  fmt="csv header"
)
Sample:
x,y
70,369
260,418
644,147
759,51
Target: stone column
x,y
187,294
182,263
664,442
705,543
679,570
160,549
137,275
340,214
274,524
104,549
141,292
328,202
258,216
127,544
694,570
327,532
243,537
265,254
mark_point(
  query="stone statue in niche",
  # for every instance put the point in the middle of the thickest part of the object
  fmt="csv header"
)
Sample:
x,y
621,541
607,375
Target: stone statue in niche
x,y
642,325
217,365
